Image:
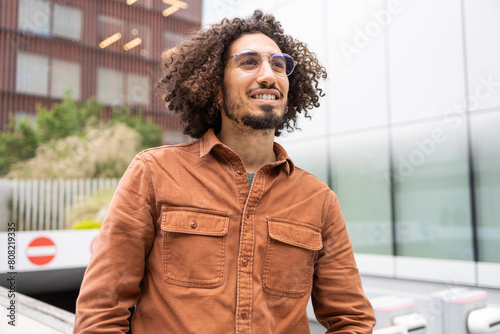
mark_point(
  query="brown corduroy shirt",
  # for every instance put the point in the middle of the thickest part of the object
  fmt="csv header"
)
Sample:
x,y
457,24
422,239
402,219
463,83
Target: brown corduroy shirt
x,y
196,250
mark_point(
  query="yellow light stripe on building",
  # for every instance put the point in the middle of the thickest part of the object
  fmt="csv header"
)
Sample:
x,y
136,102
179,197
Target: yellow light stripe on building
x,y
132,44
177,3
110,40
170,10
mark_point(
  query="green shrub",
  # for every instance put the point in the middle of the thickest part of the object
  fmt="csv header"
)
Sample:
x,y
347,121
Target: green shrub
x,y
17,144
65,142
104,152
91,211
86,225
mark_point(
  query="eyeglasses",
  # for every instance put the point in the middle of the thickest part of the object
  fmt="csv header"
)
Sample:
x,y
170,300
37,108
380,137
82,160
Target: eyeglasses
x,y
250,60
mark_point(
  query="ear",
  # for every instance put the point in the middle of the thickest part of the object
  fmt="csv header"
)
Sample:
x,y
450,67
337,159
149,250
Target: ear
x,y
220,98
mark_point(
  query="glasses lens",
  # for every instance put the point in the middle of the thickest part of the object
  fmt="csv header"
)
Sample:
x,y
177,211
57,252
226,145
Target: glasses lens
x,y
278,64
282,64
248,60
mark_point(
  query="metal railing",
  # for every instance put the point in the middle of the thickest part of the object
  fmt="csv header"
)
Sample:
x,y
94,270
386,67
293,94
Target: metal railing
x,y
46,204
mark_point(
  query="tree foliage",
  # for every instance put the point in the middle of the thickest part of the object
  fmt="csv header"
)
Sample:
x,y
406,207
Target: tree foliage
x,y
104,152
18,143
150,132
70,119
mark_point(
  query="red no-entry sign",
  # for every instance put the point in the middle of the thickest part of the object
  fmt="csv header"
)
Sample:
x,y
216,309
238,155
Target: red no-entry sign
x,y
41,251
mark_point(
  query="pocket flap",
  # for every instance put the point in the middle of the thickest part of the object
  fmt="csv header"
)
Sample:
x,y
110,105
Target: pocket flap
x,y
194,221
296,234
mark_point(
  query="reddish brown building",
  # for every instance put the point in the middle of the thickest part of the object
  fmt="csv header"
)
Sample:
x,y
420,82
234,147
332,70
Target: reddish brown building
x,y
109,49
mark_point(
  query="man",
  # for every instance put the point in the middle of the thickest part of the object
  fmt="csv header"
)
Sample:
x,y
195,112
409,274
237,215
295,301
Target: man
x,y
225,234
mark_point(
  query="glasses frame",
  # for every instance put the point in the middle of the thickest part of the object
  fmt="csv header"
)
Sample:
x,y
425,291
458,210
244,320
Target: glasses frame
x,y
284,55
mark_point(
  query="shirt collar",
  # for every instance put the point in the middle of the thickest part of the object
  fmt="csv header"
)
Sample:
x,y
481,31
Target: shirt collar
x,y
209,141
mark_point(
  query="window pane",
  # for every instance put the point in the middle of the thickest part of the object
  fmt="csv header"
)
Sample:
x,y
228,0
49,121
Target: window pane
x,y
361,180
137,40
65,75
432,192
138,88
32,75
110,86
21,115
34,16
108,27
486,152
67,22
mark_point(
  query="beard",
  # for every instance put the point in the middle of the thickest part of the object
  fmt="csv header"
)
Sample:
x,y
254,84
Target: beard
x,y
269,120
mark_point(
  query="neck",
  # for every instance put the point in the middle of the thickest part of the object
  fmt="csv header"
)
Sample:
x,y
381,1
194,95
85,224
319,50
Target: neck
x,y
255,147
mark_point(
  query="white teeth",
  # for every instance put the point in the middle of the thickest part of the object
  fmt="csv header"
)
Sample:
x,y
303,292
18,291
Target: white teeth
x,y
265,97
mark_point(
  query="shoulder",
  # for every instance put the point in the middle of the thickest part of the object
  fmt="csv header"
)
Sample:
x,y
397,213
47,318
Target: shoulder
x,y
171,148
168,151
309,179
307,186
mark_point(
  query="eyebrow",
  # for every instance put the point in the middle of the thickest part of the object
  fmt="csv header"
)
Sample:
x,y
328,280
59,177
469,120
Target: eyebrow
x,y
258,52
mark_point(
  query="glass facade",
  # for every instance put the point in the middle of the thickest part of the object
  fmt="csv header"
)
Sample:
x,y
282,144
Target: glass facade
x,y
485,129
360,169
432,198
408,134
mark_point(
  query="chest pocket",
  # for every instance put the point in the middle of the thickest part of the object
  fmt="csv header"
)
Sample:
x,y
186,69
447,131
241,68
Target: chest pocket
x,y
289,261
194,246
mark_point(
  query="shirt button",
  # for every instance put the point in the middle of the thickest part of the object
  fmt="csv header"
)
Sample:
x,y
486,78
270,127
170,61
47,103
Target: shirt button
x,y
244,262
194,225
239,171
244,315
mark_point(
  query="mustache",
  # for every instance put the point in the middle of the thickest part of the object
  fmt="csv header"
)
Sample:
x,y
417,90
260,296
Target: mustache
x,y
262,86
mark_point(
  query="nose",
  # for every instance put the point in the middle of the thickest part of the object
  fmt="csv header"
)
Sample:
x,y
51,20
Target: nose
x,y
265,72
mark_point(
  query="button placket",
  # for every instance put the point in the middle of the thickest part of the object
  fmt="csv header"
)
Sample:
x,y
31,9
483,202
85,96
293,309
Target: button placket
x,y
245,272
245,255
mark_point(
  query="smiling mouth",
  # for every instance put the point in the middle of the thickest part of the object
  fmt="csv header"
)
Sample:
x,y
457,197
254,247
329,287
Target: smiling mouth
x,y
265,97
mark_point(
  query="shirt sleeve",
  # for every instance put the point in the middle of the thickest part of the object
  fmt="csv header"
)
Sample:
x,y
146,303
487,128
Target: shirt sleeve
x,y
111,284
339,302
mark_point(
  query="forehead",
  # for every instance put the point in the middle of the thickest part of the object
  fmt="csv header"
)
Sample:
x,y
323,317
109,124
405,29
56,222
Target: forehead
x,y
258,42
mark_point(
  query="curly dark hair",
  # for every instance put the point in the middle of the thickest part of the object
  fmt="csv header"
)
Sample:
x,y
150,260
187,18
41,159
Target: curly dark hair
x,y
193,73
